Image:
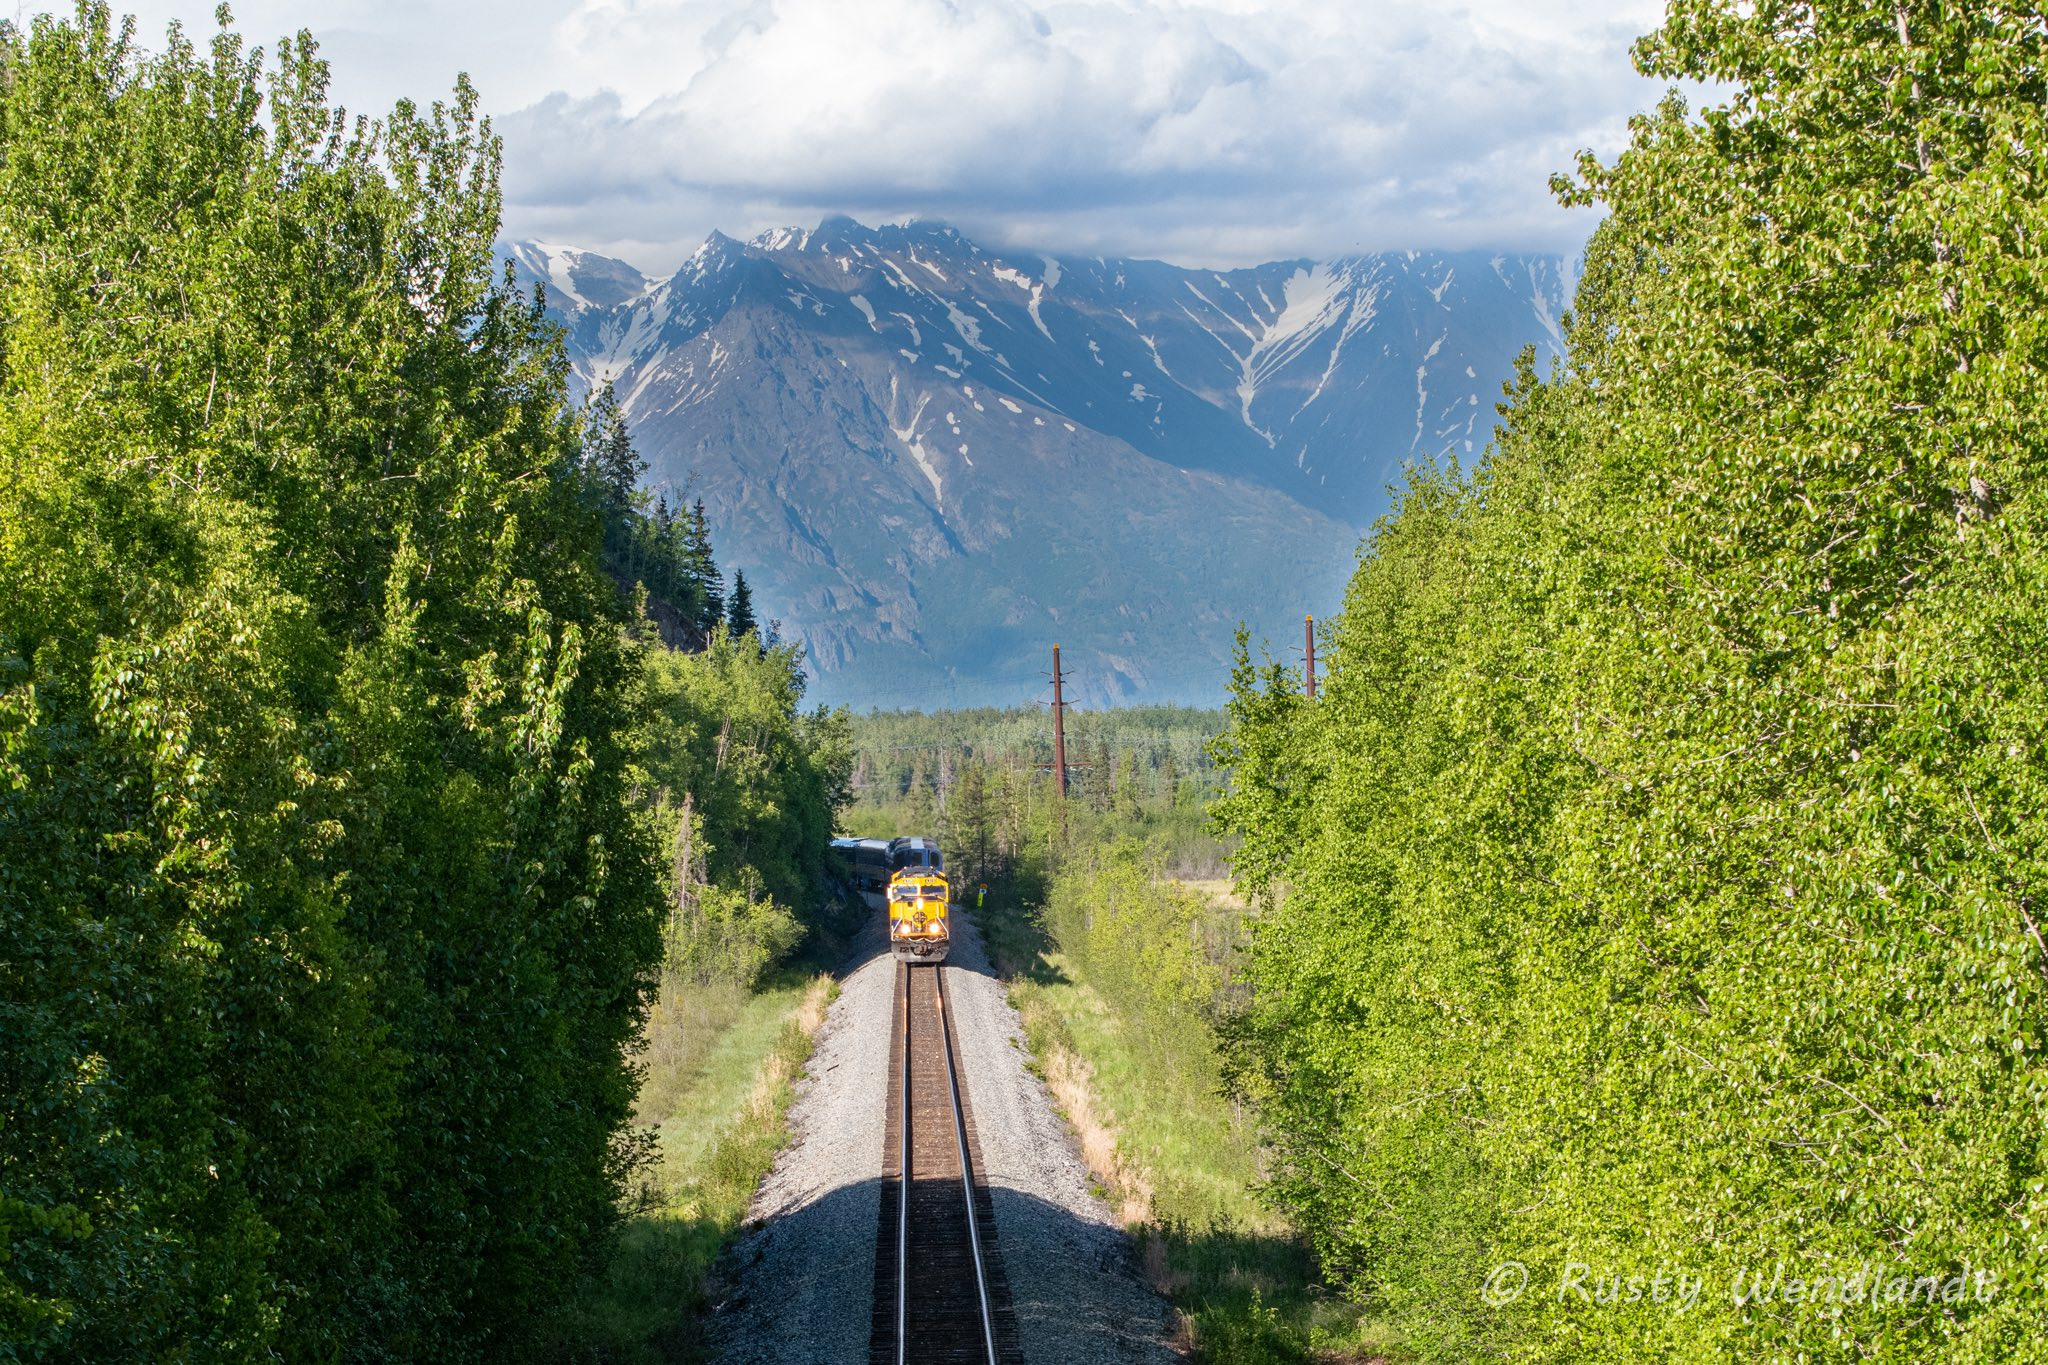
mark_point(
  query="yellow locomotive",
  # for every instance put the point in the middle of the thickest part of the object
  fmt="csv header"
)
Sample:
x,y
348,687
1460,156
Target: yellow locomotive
x,y
920,915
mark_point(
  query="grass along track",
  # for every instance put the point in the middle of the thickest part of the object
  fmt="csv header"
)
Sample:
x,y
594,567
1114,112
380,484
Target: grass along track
x,y
1176,1159
720,1075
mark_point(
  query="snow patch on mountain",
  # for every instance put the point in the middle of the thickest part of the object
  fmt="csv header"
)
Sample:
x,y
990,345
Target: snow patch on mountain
x,y
1361,316
820,453
551,263
1150,344
913,444
1034,289
1422,385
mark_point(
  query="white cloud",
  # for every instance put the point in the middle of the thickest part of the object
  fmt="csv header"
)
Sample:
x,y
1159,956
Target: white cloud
x,y
1207,131
1213,132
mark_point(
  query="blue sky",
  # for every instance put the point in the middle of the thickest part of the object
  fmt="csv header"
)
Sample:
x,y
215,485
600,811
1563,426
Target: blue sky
x,y
1206,132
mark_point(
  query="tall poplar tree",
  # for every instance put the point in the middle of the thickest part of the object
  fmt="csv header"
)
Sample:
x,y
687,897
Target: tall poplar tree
x,y
1658,870
324,918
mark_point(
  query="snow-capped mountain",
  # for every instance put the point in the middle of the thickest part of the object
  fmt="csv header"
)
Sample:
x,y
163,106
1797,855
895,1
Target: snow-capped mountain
x,y
933,460
577,280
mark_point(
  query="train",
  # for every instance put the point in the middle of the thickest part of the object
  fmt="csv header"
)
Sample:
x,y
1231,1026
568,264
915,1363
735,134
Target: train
x,y
905,878
865,863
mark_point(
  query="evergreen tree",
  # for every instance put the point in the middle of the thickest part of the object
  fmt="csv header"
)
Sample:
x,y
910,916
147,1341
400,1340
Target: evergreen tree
x,y
609,459
701,571
1004,798
1125,803
739,619
922,804
970,833
1098,781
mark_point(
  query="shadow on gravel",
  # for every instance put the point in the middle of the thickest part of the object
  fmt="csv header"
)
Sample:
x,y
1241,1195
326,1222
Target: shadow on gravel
x,y
801,1286
865,949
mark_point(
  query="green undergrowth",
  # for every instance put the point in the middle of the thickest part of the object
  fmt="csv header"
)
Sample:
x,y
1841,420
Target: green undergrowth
x,y
721,1069
1174,1157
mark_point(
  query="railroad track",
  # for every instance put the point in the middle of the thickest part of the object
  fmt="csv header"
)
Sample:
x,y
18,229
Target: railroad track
x,y
939,1288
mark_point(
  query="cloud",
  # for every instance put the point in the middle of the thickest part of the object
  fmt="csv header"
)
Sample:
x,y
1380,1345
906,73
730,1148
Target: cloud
x,y
1211,132
1214,133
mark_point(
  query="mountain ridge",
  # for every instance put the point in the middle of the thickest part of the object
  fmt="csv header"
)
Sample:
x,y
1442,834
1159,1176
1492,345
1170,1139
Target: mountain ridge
x,y
933,459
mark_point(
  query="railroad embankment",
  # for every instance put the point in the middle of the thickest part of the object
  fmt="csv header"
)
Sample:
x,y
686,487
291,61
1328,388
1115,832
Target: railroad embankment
x,y
799,1284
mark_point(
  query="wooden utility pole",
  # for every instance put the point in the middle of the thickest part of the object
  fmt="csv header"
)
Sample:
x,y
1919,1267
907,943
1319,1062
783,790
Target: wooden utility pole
x,y
1059,726
1311,635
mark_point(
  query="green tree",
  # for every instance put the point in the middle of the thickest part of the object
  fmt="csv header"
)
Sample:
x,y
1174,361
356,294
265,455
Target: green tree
x,y
739,610
971,839
701,572
327,914
921,803
1656,864
746,787
1125,804
609,460
1098,779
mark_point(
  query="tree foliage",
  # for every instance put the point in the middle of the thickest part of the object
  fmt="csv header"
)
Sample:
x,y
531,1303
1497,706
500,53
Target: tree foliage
x,y
608,460
324,912
744,786
1655,885
651,549
739,609
981,779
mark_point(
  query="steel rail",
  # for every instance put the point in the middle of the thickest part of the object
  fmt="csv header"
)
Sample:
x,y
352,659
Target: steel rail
x,y
903,1185
988,1319
988,1336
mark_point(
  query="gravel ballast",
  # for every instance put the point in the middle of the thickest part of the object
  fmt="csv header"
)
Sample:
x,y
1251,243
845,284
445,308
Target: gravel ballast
x,y
799,1282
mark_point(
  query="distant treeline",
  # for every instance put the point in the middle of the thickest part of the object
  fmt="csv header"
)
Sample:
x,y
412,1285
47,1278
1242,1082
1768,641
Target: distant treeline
x,y
983,779
1656,888
344,796
1162,749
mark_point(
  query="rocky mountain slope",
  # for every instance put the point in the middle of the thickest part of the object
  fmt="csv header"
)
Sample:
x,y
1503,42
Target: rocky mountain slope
x,y
934,460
